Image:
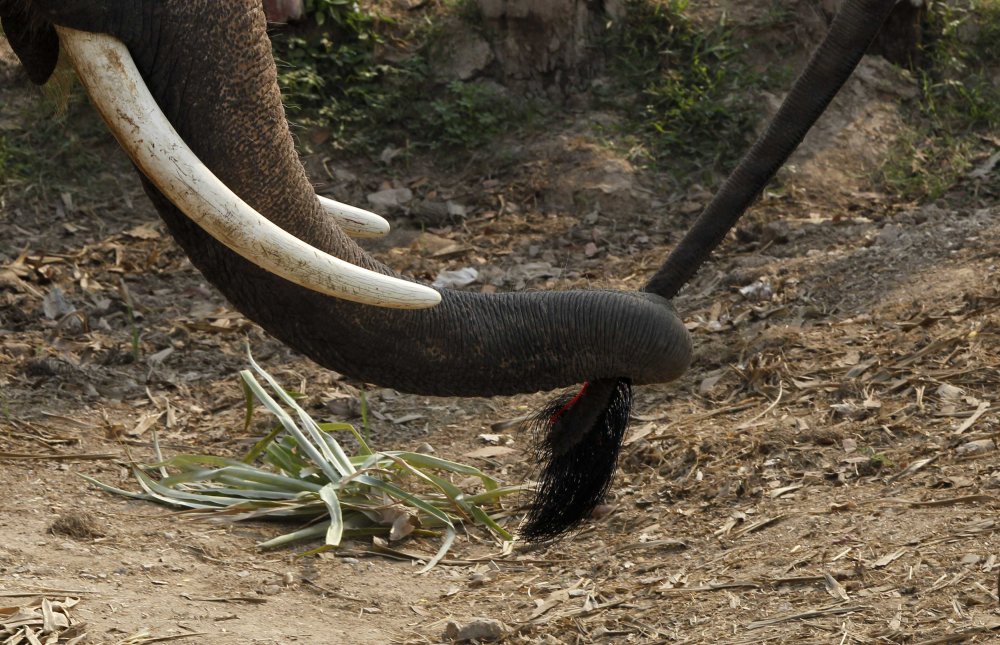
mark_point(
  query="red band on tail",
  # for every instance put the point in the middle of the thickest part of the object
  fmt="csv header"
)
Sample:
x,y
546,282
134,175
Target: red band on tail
x,y
569,404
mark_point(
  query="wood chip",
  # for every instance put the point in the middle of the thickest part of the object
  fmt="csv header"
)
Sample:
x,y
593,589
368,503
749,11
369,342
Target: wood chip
x,y
736,584
834,588
756,526
836,610
913,468
983,407
886,560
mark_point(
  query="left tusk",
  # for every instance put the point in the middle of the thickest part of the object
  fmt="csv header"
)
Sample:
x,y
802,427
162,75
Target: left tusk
x,y
114,84
355,221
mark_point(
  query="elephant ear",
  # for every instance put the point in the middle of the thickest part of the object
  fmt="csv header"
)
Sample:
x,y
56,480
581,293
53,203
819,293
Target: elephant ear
x,y
29,26
35,42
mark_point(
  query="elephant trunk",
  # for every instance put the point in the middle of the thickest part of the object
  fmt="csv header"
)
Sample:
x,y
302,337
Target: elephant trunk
x,y
225,104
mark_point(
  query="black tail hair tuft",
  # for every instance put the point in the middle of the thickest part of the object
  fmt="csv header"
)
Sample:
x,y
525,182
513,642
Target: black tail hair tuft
x,y
577,440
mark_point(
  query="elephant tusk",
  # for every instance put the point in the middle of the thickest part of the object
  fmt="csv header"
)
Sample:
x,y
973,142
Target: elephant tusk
x,y
114,84
355,221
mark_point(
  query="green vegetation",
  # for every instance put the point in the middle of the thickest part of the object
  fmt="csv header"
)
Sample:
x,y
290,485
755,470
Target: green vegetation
x,y
6,169
333,79
62,145
299,472
685,88
959,107
340,12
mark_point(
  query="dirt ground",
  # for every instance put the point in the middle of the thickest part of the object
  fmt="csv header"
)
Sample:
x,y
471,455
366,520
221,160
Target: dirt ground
x,y
827,472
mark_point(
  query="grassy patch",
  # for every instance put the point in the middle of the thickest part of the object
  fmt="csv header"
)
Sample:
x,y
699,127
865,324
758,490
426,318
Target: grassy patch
x,y
684,87
681,86
64,144
333,79
6,169
958,113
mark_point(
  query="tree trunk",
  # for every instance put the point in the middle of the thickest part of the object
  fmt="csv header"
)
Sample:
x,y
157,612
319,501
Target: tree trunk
x,y
902,34
547,47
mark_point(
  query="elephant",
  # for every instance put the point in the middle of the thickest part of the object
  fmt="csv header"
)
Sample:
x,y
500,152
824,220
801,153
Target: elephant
x,y
215,119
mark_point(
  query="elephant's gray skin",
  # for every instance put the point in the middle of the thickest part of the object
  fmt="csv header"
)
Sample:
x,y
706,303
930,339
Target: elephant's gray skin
x,y
208,64
224,101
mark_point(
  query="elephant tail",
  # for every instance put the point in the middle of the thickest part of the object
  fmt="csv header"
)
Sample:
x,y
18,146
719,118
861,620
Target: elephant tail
x,y
577,440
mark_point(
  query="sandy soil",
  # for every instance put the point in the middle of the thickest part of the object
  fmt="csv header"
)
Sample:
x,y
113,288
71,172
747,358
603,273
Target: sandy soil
x,y
827,472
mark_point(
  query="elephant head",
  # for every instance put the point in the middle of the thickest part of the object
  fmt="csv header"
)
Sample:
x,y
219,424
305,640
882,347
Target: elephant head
x,y
208,67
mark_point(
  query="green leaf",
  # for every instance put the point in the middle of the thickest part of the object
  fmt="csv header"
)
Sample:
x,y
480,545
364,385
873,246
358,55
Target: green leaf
x,y
258,448
335,532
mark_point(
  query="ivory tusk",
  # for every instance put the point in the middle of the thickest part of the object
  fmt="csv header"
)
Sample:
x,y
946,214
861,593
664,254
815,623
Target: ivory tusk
x,y
355,221
115,86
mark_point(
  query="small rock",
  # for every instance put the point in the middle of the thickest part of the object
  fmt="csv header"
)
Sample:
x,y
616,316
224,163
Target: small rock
x,y
456,210
389,153
690,207
480,629
949,392
976,447
430,212
344,407
601,511
462,56
890,234
759,291
849,410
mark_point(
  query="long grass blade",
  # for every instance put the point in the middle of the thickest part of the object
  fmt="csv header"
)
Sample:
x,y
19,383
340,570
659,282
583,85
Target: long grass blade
x,y
335,532
258,448
290,426
446,543
332,451
313,532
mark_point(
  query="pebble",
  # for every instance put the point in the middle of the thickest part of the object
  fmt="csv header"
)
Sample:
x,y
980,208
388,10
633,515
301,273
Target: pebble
x,y
480,629
976,447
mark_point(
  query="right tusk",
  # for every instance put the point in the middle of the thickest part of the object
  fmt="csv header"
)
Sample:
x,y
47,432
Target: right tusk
x,y
115,86
355,221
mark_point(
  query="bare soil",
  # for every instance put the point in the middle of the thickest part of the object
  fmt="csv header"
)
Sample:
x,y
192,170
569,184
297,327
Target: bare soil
x,y
827,472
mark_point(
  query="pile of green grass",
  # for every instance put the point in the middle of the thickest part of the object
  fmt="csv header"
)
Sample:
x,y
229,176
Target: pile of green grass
x,y
300,473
